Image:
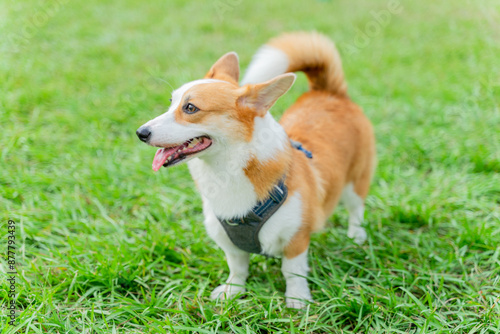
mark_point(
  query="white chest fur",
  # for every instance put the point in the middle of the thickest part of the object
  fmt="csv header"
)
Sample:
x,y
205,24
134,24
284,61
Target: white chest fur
x,y
274,235
226,189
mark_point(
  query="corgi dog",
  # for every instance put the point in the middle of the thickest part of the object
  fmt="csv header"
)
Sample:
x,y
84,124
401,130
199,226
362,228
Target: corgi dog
x,y
266,186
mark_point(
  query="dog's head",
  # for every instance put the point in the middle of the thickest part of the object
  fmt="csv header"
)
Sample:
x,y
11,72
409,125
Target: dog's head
x,y
209,112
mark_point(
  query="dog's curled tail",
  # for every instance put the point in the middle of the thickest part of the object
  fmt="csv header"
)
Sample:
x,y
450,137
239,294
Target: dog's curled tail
x,y
312,53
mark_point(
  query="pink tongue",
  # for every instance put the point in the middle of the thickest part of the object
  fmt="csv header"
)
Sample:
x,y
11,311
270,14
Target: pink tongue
x,y
161,156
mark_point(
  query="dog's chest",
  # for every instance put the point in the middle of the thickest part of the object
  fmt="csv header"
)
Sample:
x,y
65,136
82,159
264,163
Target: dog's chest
x,y
229,192
273,236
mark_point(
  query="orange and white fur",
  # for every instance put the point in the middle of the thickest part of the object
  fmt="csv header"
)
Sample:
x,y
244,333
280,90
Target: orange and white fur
x,y
236,151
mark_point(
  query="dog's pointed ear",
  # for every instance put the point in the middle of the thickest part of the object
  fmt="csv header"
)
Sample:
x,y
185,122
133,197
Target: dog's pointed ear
x,y
227,68
261,97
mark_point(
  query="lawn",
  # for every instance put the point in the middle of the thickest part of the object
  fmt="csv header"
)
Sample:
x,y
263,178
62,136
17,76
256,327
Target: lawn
x,y
105,245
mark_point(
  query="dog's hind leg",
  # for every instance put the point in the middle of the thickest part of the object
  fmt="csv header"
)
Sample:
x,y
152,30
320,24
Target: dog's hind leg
x,y
355,205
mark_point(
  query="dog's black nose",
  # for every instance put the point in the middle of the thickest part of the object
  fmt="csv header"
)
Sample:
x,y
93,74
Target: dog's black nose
x,y
143,133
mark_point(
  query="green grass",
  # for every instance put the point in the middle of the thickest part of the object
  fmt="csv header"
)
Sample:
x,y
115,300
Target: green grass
x,y
107,246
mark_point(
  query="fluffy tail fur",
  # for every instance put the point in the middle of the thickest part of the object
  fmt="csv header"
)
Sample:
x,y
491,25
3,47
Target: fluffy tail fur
x,y
312,53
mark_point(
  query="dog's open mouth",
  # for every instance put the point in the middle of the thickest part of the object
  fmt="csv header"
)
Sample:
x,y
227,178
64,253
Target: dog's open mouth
x,y
169,156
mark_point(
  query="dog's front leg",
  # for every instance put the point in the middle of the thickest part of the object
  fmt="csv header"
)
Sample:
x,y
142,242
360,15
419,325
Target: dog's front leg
x,y
238,262
295,272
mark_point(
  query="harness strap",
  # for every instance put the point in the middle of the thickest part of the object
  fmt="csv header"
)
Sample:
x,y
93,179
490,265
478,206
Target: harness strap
x,y
244,231
299,147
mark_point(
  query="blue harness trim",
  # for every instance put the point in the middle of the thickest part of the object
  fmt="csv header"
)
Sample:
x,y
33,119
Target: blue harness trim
x,y
299,147
244,231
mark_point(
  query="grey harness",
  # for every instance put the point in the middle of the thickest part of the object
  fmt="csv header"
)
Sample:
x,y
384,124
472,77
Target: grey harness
x,y
244,231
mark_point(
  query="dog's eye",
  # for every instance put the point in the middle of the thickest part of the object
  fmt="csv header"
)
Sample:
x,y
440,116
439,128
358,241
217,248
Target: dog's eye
x,y
190,108
170,100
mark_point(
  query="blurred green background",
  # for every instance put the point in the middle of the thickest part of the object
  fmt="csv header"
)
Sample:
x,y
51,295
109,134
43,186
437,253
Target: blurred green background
x,y
106,245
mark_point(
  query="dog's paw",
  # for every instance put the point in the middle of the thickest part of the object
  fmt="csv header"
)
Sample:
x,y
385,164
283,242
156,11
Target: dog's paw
x,y
357,233
298,299
226,291
298,302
